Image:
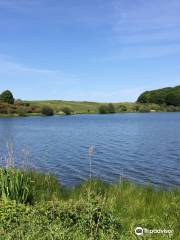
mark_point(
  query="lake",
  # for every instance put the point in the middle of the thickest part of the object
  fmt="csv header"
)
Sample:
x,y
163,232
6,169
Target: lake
x,y
143,147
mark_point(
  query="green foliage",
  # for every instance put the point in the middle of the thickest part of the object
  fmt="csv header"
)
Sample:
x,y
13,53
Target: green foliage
x,y
94,210
22,112
144,108
122,108
104,109
7,97
44,187
47,111
27,186
67,110
14,185
160,100
111,108
143,98
169,96
173,98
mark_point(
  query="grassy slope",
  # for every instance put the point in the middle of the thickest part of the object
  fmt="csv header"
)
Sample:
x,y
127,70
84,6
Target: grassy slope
x,y
78,107
85,107
93,210
33,108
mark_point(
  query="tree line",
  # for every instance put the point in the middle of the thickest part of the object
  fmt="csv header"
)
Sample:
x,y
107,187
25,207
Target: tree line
x,y
168,96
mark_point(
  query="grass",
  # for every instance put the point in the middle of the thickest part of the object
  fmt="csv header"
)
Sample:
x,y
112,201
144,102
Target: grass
x,y
91,210
92,107
34,108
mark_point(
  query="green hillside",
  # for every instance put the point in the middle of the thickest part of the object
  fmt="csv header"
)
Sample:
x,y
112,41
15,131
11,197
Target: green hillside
x,y
168,96
161,100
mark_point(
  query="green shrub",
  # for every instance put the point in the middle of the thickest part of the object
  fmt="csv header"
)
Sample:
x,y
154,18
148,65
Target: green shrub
x,y
122,108
103,109
111,108
94,210
144,109
47,111
22,112
171,108
67,110
3,108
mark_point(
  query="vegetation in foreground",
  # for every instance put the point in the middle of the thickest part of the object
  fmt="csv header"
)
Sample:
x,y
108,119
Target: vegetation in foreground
x,y
36,206
162,100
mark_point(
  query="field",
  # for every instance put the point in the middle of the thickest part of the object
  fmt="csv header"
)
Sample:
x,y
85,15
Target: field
x,y
59,107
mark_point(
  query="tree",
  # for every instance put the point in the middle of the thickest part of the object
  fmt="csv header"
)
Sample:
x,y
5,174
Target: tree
x,y
7,97
142,98
103,109
111,108
169,96
122,108
144,109
47,111
67,110
173,99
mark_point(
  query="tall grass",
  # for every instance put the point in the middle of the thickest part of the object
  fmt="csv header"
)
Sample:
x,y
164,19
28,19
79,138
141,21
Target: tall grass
x,y
116,210
25,186
94,210
14,185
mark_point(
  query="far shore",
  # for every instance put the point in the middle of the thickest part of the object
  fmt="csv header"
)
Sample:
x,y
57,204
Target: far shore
x,y
61,108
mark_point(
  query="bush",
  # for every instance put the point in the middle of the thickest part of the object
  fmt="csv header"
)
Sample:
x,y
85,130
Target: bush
x,y
111,108
171,108
103,109
67,110
94,210
22,112
144,109
122,108
47,111
7,97
3,108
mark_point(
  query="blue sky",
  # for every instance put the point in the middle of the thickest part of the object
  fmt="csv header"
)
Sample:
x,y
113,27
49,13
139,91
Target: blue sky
x,y
96,50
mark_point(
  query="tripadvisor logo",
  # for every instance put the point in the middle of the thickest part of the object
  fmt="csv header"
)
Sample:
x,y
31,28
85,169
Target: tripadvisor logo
x,y
139,231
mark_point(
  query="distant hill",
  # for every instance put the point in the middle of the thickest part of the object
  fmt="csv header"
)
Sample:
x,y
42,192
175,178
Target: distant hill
x,y
169,96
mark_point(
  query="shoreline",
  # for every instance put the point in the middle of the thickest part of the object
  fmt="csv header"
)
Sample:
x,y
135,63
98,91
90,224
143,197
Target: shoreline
x,y
62,115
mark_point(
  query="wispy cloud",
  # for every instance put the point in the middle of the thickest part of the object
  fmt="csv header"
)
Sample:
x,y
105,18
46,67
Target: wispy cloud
x,y
89,13
146,52
29,82
14,69
145,29
9,67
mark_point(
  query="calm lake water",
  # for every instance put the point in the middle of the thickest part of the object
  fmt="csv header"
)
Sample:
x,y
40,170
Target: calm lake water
x,y
143,147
